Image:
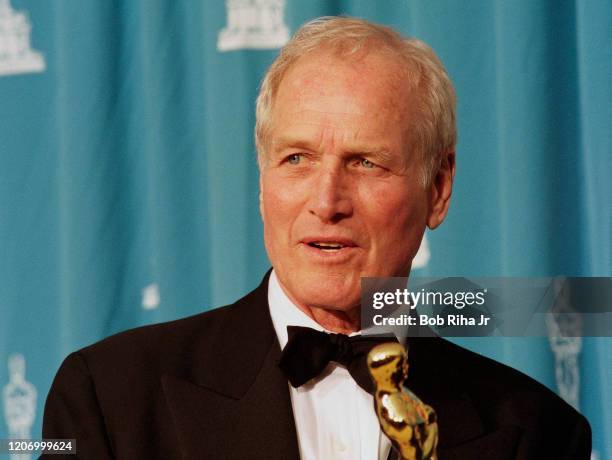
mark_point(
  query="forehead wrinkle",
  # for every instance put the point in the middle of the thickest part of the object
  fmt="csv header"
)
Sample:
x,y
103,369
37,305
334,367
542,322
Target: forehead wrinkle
x,y
298,138
326,112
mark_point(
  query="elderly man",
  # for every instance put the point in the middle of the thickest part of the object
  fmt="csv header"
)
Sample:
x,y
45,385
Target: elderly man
x,y
356,142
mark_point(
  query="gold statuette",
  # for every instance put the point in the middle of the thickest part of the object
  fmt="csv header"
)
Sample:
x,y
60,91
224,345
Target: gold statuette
x,y
410,424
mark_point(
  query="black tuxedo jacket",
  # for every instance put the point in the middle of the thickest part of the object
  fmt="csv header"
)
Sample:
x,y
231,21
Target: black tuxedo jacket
x,y
209,387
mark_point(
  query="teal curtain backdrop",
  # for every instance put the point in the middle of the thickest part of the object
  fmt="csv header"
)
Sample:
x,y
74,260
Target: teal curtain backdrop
x,y
129,186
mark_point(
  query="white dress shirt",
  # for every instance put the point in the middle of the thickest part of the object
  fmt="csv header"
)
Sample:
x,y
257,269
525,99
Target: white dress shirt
x,y
334,417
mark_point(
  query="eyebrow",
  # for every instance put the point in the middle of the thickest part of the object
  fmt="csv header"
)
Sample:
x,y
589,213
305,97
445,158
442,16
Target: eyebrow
x,y
379,154
287,142
290,142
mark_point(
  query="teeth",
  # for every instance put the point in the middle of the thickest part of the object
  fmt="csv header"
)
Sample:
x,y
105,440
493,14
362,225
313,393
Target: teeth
x,y
328,246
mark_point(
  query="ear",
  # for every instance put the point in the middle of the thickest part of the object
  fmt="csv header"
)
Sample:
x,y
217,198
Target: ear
x,y
440,189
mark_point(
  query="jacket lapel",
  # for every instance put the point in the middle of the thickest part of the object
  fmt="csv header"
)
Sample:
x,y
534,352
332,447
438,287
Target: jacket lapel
x,y
235,403
501,444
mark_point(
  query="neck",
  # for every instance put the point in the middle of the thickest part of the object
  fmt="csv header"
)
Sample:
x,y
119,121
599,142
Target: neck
x,y
338,321
342,322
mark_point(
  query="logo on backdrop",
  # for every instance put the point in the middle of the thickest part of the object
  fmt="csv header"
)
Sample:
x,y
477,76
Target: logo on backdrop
x,y
16,54
19,401
564,334
253,24
423,255
150,297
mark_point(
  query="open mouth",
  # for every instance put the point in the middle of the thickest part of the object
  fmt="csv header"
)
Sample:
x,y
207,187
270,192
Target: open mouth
x,y
326,247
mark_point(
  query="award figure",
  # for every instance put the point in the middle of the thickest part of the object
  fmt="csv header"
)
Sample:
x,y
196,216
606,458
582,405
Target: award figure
x,y
410,424
19,398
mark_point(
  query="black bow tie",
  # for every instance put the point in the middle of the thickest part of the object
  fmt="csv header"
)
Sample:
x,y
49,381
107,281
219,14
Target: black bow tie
x,y
309,351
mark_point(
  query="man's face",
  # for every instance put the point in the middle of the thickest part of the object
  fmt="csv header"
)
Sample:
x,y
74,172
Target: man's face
x,y
340,192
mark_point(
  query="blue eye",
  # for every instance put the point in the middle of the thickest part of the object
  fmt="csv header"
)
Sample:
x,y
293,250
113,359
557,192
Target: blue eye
x,y
367,163
294,159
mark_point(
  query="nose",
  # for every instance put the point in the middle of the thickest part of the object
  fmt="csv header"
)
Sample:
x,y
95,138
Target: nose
x,y
330,198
